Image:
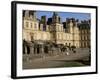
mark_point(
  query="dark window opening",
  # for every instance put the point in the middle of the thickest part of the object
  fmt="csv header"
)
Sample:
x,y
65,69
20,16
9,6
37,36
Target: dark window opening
x,y
44,27
28,50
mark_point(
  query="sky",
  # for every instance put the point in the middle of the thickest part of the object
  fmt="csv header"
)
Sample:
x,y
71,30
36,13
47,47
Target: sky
x,y
64,15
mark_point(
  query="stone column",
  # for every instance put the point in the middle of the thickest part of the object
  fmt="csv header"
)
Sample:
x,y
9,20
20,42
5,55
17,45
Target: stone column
x,y
35,49
31,49
42,49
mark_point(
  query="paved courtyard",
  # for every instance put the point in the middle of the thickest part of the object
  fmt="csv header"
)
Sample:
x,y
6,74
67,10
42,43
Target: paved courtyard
x,y
60,60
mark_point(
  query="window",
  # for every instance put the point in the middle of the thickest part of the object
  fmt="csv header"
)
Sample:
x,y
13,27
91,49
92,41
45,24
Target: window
x,y
76,44
35,26
31,25
57,28
84,44
81,37
82,31
58,36
84,37
32,38
69,44
85,31
44,27
27,24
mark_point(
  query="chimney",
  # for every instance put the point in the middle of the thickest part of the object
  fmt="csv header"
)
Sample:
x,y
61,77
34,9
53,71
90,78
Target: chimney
x,y
55,18
43,20
32,15
26,13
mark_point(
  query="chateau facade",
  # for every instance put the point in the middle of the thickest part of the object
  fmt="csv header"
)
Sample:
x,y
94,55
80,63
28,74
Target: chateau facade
x,y
53,30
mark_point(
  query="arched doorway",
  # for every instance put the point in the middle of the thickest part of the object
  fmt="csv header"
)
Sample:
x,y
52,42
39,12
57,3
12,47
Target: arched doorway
x,y
45,49
38,49
28,50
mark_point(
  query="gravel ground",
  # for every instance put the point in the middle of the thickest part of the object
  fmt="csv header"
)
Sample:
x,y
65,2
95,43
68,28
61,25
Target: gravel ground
x,y
58,60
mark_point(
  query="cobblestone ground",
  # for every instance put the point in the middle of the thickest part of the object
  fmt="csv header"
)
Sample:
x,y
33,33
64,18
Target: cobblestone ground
x,y
48,61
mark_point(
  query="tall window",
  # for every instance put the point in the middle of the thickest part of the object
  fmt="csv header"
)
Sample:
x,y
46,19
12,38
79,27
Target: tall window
x,y
84,44
81,38
44,27
35,26
84,37
31,25
27,24
32,38
85,31
58,28
58,36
